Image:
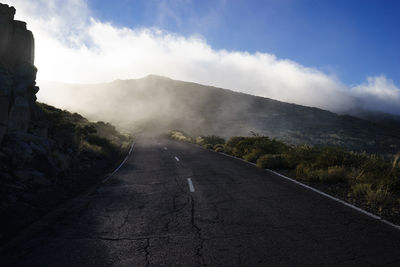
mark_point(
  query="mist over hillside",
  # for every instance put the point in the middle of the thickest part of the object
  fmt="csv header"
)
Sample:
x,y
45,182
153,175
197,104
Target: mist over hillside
x,y
157,104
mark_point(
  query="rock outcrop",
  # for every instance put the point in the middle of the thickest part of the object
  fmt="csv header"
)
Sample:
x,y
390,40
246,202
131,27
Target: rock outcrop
x,y
46,154
17,74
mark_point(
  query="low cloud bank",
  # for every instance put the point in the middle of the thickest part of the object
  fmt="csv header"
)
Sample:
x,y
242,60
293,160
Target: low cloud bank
x,y
378,93
73,46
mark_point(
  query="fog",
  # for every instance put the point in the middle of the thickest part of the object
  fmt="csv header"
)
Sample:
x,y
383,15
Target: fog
x,y
157,103
74,46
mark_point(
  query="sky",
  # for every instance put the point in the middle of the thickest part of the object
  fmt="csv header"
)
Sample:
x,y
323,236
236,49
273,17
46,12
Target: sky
x,y
332,54
351,38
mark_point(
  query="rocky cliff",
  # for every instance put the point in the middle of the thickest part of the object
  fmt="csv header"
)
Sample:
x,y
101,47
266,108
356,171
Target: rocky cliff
x,y
47,155
17,74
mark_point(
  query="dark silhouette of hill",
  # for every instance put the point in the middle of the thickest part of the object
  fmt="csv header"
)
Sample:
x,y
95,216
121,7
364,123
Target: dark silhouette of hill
x,y
157,104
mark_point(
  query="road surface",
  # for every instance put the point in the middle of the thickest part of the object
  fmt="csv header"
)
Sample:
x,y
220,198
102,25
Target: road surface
x,y
174,204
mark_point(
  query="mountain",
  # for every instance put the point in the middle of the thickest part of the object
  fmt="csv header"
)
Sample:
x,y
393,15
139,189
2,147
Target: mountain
x,y
158,104
387,120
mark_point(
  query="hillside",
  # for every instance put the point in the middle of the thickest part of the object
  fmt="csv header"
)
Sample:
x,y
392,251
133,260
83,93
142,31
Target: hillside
x,y
40,172
158,104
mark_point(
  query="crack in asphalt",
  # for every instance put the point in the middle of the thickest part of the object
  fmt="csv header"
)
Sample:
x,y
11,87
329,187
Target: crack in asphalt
x,y
139,238
175,209
146,250
198,233
126,218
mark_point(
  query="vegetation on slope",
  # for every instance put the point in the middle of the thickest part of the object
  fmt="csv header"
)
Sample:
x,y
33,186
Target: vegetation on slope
x,y
61,155
365,179
74,132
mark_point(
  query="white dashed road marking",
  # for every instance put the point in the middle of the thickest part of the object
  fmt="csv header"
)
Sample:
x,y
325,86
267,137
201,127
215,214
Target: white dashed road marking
x,y
177,159
165,148
191,187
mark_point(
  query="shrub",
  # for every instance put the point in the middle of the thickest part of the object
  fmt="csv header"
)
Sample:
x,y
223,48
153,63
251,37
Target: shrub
x,y
334,174
378,197
208,146
94,143
301,155
199,140
231,144
181,136
86,130
269,146
361,189
272,162
213,140
219,149
254,155
233,141
219,146
228,150
243,147
329,156
302,171
251,148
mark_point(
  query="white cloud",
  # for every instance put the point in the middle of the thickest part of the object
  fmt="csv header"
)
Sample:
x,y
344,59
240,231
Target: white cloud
x,y
378,93
73,46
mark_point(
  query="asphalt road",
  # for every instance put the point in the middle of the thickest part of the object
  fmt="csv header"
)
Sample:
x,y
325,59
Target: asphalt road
x,y
238,215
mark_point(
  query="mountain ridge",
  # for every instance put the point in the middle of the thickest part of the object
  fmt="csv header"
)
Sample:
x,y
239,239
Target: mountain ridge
x,y
157,103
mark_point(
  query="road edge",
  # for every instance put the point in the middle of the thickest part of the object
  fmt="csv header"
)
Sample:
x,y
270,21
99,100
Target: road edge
x,y
119,167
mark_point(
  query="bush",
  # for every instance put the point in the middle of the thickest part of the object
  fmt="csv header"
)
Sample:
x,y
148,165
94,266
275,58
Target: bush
x,y
219,147
233,141
208,146
334,174
272,162
378,197
243,147
330,175
99,145
301,155
213,140
304,172
361,189
254,155
251,148
199,140
329,156
74,133
181,136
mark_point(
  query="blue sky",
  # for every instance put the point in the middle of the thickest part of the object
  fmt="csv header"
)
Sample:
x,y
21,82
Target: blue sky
x,y
352,39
